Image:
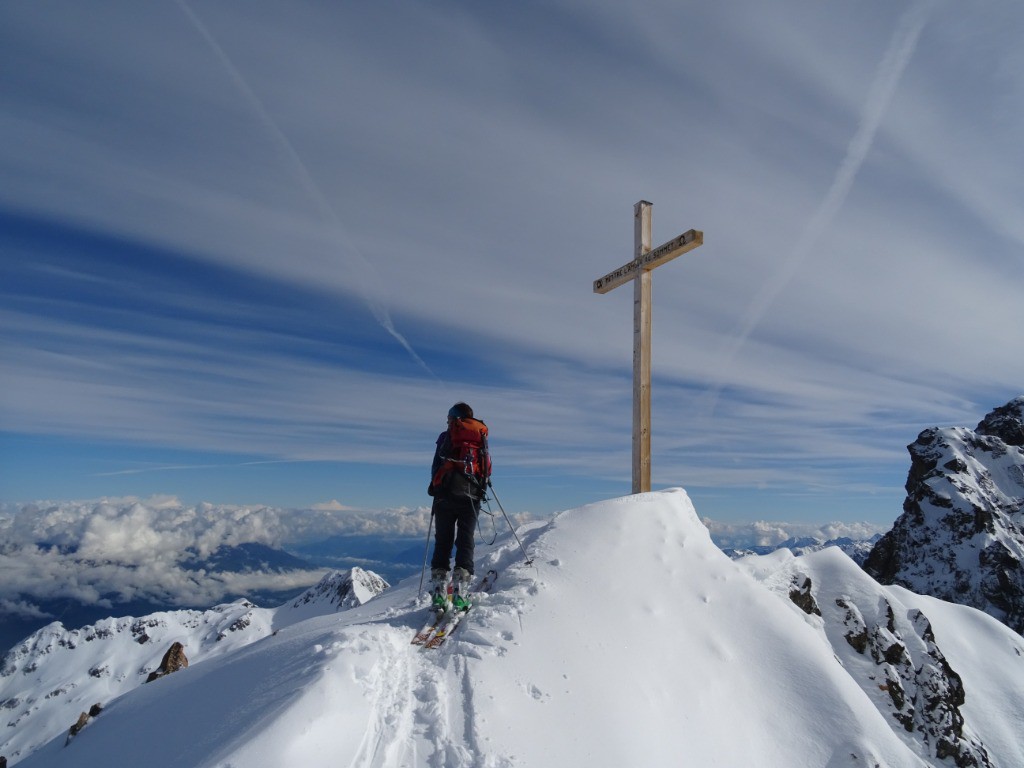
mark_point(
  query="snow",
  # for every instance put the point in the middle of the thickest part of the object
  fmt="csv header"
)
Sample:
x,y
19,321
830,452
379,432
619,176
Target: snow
x,y
987,656
984,652
631,639
57,674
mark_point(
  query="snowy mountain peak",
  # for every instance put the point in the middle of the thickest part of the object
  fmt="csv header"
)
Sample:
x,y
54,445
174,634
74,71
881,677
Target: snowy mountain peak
x,y
337,591
961,535
629,639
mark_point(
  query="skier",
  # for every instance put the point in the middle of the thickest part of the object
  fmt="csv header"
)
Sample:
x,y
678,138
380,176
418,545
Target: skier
x,y
459,474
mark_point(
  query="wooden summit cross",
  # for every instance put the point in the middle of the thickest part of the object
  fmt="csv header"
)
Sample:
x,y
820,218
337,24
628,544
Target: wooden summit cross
x,y
639,271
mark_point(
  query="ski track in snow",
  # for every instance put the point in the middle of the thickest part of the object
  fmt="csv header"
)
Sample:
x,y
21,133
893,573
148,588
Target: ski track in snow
x,y
350,682
421,703
389,729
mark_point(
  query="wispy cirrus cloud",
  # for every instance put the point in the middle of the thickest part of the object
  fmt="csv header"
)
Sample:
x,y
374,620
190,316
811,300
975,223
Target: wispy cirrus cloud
x,y
174,280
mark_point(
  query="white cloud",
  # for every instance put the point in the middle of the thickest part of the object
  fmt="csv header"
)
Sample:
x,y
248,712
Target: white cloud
x,y
331,506
22,609
41,574
763,533
106,552
121,550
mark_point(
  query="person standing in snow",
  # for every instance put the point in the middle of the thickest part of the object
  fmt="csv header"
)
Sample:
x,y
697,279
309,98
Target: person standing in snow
x,y
458,479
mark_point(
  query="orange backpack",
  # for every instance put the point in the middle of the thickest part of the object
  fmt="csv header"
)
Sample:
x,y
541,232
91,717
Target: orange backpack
x,y
464,451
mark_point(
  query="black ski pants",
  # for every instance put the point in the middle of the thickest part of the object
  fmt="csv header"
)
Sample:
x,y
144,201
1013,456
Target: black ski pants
x,y
454,525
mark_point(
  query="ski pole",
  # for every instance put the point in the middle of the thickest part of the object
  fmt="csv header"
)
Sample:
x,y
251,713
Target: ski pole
x,y
529,560
426,548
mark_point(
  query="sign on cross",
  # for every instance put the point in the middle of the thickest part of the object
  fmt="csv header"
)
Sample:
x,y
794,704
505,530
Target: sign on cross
x,y
639,271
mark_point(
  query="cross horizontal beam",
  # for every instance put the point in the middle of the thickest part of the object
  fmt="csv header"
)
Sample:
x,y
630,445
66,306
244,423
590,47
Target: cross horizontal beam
x,y
648,261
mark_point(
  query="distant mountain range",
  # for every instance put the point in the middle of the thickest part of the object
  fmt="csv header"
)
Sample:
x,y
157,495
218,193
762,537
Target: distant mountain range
x,y
393,557
857,550
245,558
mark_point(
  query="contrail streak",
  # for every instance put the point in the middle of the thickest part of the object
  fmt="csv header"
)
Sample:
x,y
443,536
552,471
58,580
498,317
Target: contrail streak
x,y
179,467
887,76
366,273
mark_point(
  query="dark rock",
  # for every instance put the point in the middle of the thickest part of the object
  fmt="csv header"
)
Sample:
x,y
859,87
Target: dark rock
x,y
83,719
856,631
172,661
801,595
1005,422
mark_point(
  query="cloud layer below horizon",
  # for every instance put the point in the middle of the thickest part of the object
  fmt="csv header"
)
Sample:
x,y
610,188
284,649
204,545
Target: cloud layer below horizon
x,y
120,550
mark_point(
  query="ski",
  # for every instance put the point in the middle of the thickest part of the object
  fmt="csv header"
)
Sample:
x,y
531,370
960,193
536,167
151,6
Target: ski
x,y
446,628
487,581
454,618
436,616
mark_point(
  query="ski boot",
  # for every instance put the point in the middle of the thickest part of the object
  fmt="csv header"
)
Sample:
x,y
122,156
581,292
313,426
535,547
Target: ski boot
x,y
440,598
461,579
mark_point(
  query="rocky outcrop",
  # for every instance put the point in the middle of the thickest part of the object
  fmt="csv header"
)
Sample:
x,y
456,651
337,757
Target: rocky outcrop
x,y
800,594
83,720
924,693
961,535
1006,423
172,661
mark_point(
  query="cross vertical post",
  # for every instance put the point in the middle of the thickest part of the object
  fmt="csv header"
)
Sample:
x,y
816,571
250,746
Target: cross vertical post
x,y
639,271
642,295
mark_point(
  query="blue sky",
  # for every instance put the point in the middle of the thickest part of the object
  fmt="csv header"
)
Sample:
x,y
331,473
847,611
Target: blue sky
x,y
252,252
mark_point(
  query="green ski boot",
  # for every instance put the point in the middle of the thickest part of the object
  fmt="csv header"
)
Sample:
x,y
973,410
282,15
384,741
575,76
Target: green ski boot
x,y
461,579
439,596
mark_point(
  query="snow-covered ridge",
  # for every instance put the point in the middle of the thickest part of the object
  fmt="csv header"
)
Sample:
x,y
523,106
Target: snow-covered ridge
x,y
47,680
631,640
931,667
961,535
856,549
